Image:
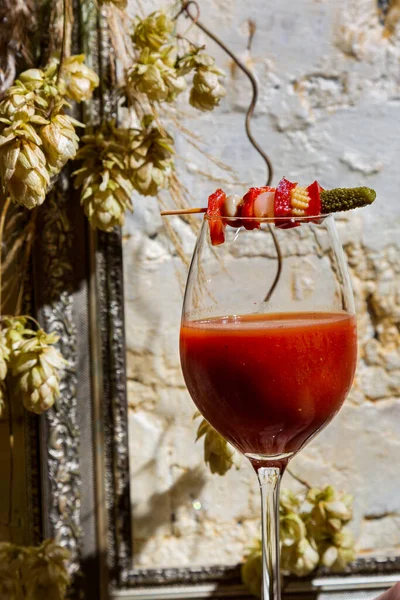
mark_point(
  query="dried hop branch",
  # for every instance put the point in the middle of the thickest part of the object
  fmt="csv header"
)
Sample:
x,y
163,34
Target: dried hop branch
x,y
45,573
80,81
153,32
312,533
217,453
150,158
36,137
154,74
15,332
299,555
104,176
60,141
330,512
207,90
35,368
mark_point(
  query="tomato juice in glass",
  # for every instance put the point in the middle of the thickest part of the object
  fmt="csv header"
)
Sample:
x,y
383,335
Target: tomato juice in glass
x,y
269,382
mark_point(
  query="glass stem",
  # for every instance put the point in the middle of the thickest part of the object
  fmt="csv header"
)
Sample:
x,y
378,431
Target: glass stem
x,y
270,479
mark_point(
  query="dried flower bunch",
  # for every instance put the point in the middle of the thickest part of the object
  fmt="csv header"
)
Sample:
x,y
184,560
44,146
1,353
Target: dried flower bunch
x,y
19,22
117,161
150,158
160,73
37,137
33,573
313,533
30,361
207,90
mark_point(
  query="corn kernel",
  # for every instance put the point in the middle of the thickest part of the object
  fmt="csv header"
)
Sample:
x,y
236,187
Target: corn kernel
x,y
299,200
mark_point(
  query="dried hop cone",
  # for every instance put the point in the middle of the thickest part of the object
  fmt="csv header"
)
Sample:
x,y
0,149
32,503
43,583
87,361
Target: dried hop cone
x,y
23,167
301,558
45,572
60,141
18,103
11,560
151,158
207,90
15,332
36,370
104,177
154,31
155,75
217,453
80,81
36,137
330,511
339,551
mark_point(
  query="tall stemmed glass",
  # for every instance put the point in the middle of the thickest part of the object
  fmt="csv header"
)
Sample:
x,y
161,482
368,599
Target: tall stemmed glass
x,y
269,360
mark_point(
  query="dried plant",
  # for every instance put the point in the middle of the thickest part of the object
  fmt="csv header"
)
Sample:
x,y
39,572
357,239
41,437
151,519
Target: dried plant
x,y
31,360
18,21
313,533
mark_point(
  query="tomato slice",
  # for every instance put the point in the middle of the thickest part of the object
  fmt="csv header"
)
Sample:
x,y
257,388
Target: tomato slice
x,y
314,206
248,205
216,224
283,204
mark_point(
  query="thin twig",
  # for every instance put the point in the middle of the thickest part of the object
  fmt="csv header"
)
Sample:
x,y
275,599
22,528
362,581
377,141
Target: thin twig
x,y
64,40
183,211
246,71
279,269
11,478
250,111
11,254
2,222
303,482
28,249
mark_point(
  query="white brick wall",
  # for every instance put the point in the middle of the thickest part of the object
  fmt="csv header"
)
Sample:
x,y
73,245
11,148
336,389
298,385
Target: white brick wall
x,y
329,108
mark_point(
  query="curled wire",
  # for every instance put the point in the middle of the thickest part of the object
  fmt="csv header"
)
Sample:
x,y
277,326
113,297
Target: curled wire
x,y
249,114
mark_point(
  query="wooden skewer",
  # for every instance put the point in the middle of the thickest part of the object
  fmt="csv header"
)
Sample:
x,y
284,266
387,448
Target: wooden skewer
x,y
183,211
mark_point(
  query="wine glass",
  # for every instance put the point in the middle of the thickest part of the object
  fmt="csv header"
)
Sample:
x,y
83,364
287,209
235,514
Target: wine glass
x,y
268,345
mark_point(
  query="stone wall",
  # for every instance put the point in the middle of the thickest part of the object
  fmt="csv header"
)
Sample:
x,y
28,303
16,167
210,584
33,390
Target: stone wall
x,y
329,108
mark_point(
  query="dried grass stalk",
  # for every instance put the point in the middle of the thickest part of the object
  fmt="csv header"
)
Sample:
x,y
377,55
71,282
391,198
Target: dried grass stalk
x,y
18,22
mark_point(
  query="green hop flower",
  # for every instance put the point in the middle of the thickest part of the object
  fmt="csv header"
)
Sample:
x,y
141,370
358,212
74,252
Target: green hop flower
x,y
301,558
155,75
154,31
151,158
217,453
104,177
36,371
80,81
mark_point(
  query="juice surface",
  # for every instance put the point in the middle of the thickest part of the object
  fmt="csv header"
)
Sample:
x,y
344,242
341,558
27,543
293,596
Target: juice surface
x,y
267,383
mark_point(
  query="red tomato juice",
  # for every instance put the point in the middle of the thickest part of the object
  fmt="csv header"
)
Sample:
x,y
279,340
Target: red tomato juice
x,y
268,383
